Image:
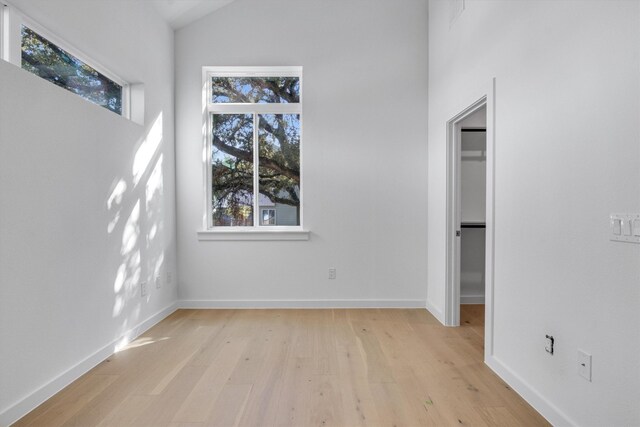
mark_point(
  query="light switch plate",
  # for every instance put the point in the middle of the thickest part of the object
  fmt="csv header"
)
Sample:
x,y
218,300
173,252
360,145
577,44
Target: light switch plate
x,y
624,228
584,365
616,224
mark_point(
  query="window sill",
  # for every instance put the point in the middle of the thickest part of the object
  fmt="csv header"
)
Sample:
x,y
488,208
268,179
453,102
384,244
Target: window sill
x,y
230,235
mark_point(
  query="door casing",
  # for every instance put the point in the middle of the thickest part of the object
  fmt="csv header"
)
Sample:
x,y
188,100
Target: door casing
x,y
452,292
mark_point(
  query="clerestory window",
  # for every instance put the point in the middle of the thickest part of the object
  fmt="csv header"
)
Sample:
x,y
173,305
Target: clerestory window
x,y
54,64
253,120
26,44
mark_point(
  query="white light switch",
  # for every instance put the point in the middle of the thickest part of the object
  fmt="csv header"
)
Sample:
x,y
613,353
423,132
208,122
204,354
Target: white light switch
x,y
584,365
616,225
625,227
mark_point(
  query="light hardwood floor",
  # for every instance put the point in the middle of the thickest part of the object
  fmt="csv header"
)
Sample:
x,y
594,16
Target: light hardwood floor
x,y
294,368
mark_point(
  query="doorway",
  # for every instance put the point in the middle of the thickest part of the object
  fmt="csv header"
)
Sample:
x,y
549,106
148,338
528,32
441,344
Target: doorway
x,y
473,194
470,171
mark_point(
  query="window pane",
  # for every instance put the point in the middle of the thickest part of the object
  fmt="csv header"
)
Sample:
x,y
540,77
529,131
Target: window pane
x,y
279,167
232,169
45,59
255,90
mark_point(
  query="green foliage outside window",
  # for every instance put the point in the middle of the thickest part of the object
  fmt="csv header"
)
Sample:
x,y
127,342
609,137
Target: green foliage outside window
x,y
45,59
278,144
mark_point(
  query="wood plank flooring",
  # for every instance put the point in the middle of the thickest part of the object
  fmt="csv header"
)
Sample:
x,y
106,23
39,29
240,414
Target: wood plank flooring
x,y
363,367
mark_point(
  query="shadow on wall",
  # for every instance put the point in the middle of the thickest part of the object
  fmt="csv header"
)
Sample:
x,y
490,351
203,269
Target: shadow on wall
x,y
135,208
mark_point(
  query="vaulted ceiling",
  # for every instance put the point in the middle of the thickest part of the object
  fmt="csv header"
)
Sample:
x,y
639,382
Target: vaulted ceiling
x,y
179,13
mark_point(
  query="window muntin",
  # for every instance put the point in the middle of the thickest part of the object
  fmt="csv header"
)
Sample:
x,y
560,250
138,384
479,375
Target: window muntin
x,y
255,90
239,188
45,59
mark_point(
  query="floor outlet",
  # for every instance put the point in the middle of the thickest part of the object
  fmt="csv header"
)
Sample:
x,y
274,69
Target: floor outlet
x,y
143,289
584,365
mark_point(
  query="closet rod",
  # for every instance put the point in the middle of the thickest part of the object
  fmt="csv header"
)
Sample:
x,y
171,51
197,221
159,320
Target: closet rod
x,y
473,225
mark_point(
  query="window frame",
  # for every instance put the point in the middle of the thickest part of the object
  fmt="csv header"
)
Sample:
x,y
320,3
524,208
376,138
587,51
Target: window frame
x,y
3,37
209,108
12,20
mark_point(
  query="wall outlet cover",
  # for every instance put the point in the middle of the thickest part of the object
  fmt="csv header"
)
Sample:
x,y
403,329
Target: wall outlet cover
x,y
584,365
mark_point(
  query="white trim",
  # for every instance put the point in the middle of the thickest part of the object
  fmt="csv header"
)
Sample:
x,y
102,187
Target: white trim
x,y
452,285
12,22
256,172
4,11
490,229
21,408
207,216
125,101
532,396
275,108
435,312
454,150
253,233
471,299
317,304
253,71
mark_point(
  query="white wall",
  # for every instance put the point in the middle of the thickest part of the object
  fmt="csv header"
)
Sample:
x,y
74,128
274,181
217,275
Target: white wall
x,y
364,153
87,203
567,132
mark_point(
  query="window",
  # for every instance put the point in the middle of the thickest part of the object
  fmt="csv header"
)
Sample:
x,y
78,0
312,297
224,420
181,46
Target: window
x,y
253,119
29,46
268,217
43,58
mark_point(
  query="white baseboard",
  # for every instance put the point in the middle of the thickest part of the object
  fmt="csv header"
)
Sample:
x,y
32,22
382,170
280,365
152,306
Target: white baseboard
x,y
437,313
18,410
547,409
471,299
301,304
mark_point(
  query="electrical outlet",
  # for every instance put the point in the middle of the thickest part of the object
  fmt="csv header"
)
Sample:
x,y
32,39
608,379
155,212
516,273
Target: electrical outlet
x,y
158,282
584,365
169,277
143,289
332,273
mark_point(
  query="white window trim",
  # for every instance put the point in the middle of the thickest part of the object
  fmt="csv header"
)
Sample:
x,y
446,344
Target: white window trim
x,y
253,234
4,16
257,231
10,48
